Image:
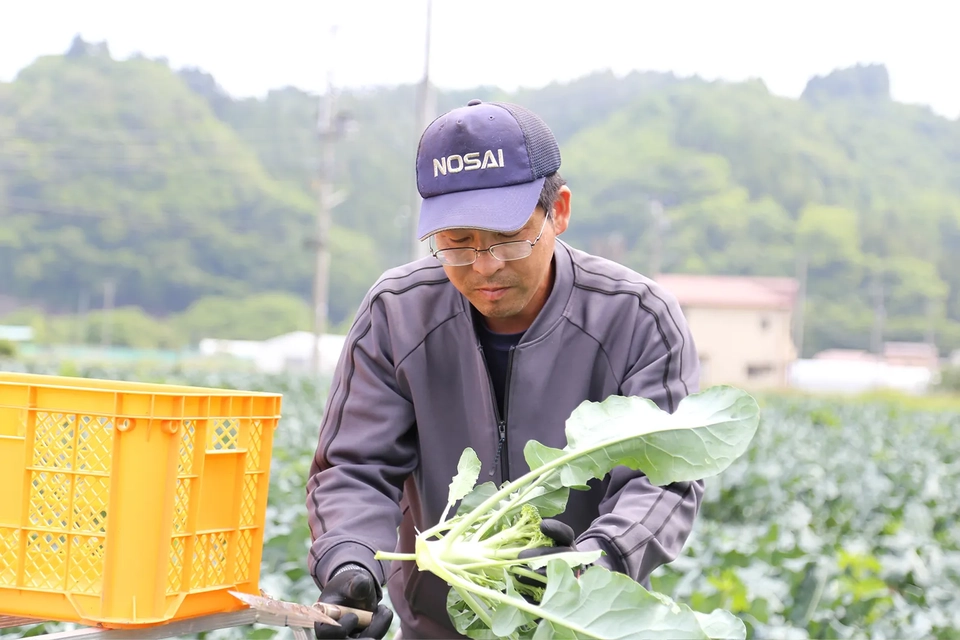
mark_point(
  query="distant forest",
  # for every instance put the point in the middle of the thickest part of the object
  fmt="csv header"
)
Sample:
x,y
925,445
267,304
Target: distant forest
x,y
193,213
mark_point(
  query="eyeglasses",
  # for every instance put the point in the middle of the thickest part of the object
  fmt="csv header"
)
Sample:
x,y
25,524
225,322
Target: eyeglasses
x,y
503,251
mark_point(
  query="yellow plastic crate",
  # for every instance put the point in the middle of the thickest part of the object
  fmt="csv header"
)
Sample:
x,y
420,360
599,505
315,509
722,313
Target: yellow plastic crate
x,y
128,504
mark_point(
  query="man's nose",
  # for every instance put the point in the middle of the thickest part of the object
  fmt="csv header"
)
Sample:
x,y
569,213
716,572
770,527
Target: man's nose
x,y
486,265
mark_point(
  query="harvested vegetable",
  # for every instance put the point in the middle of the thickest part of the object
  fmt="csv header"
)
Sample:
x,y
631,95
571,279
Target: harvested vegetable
x,y
476,551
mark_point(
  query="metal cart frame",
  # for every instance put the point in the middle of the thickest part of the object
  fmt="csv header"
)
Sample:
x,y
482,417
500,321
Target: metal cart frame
x,y
172,629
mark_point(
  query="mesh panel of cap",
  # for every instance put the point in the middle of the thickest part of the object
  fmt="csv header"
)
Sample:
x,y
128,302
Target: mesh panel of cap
x,y
541,145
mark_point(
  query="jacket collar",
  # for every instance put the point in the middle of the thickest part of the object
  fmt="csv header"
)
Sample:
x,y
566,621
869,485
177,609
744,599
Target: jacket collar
x,y
556,303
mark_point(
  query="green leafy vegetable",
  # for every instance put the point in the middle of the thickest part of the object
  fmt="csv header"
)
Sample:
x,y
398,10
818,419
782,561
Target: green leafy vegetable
x,y
476,551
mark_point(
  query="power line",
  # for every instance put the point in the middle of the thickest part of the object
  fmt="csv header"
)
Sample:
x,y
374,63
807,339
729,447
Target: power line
x,y
146,150
86,168
162,134
179,220
123,152
41,207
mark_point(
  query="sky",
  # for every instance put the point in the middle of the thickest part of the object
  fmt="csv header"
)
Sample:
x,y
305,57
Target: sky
x,y
252,47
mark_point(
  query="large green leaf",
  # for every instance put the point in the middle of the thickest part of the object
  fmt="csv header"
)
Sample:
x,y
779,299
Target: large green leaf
x,y
476,497
707,432
465,619
600,604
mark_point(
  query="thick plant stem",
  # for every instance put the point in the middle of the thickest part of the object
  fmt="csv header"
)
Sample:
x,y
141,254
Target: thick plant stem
x,y
439,569
538,475
455,580
486,564
521,571
475,604
452,575
401,557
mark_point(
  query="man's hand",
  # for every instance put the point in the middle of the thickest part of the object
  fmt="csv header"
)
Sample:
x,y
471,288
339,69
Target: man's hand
x,y
563,538
353,586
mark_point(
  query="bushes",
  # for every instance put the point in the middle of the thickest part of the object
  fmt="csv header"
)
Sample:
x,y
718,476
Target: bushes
x,y
950,380
7,349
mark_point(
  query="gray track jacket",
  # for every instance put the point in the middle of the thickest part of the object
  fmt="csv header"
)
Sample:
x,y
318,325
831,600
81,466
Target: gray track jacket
x,y
411,391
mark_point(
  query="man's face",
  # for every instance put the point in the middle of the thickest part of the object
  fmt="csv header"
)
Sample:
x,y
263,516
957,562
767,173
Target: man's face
x,y
509,294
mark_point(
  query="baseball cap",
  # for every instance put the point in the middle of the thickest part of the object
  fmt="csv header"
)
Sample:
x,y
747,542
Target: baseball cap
x,y
483,166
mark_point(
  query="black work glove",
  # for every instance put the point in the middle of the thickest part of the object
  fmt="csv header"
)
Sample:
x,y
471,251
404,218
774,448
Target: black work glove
x,y
356,588
563,539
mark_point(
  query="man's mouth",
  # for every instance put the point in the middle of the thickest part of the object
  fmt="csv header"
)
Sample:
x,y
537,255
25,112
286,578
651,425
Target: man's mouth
x,y
492,293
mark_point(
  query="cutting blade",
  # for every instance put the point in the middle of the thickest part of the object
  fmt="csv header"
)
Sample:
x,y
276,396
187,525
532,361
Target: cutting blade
x,y
281,608
319,612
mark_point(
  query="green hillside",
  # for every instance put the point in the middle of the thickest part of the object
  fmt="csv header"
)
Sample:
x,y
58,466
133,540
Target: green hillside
x,y
117,171
190,200
867,190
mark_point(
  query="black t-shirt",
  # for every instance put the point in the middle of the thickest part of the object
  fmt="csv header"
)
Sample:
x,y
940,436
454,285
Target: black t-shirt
x,y
496,350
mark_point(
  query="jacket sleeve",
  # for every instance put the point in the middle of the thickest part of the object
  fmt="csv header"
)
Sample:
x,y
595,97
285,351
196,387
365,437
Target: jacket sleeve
x,y
365,452
642,526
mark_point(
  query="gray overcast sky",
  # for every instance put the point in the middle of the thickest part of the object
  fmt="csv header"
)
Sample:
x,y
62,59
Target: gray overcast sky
x,y
252,46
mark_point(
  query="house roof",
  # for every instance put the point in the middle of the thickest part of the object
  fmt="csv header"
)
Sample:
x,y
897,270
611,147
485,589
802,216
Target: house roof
x,y
849,355
731,292
916,349
893,352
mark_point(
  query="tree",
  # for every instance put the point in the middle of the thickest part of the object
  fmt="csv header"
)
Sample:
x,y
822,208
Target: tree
x,y
861,81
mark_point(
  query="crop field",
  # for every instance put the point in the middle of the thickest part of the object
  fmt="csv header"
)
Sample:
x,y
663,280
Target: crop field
x,y
841,520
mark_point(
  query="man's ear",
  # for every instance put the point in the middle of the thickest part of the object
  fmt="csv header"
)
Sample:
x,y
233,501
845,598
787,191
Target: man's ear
x,y
561,210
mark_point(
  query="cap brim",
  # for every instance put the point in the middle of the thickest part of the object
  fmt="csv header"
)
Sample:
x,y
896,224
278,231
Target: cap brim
x,y
500,209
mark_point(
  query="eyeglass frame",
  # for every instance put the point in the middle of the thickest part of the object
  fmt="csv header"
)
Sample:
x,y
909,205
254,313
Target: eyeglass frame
x,y
476,252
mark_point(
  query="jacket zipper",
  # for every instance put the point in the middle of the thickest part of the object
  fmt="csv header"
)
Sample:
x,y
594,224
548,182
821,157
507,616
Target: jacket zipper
x,y
502,429
504,460
501,420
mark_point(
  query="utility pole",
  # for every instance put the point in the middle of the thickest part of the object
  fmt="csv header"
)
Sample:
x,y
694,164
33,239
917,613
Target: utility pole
x,y
426,108
329,129
83,305
659,225
798,325
616,246
879,314
109,291
930,336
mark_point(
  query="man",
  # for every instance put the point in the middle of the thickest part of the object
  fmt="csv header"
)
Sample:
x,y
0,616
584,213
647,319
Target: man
x,y
491,341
